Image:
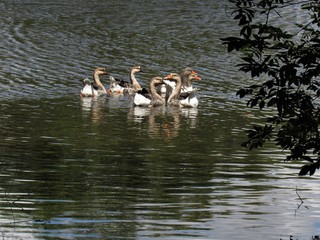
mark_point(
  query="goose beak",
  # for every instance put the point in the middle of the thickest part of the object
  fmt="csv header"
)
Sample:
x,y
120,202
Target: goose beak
x,y
168,77
196,74
104,71
197,78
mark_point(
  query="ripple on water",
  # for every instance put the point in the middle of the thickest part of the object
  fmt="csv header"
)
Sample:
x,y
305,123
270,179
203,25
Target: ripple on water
x,y
100,168
49,66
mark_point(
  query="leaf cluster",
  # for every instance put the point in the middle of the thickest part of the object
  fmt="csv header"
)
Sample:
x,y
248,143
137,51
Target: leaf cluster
x,y
286,69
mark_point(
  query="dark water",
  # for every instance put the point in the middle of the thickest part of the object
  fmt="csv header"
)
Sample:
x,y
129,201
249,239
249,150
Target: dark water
x,y
103,169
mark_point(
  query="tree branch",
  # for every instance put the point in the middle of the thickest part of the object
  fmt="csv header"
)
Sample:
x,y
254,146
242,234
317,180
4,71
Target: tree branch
x,y
300,204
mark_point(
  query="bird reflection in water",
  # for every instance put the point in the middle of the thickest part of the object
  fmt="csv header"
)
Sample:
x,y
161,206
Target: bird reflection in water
x,y
191,114
92,107
165,125
163,122
95,107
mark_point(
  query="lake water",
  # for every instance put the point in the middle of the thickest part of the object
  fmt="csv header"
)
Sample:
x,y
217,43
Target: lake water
x,y
103,169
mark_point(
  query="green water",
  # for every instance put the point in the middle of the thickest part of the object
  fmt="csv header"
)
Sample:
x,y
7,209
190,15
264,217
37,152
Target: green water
x,y
103,169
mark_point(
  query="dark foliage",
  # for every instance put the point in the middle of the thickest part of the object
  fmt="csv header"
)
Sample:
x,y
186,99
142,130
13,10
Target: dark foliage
x,y
286,69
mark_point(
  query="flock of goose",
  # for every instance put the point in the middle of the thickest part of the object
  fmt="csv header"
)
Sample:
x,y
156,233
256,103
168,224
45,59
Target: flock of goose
x,y
172,90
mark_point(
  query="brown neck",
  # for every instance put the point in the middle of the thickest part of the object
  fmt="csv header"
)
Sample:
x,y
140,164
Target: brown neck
x,y
136,86
154,93
185,77
96,79
188,82
176,91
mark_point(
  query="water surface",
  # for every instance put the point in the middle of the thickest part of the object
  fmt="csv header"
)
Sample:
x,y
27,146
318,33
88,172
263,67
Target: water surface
x,y
76,168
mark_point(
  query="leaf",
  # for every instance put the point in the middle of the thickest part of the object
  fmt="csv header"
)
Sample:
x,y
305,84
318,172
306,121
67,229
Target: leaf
x,y
312,170
246,31
238,16
230,47
304,170
241,93
254,102
248,59
309,159
272,102
243,21
261,104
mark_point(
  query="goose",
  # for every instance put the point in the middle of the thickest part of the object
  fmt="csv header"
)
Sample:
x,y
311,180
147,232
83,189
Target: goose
x,y
169,86
121,86
187,98
133,81
186,81
117,85
151,97
95,88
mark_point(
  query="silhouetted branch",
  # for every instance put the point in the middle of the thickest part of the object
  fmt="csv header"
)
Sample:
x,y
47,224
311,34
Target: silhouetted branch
x,y
301,203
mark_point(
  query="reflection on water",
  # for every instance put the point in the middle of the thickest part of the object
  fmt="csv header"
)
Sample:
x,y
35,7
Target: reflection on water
x,y
91,108
78,168
163,122
191,115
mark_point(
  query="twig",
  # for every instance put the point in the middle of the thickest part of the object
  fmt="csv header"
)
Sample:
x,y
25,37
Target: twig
x,y
299,205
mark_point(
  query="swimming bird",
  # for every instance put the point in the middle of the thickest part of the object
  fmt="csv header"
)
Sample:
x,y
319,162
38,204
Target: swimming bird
x,y
133,81
95,88
182,99
117,85
186,83
149,98
121,86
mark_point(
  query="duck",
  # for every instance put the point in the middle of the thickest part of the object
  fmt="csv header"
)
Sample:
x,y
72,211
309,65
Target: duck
x,y
182,99
95,88
147,98
120,86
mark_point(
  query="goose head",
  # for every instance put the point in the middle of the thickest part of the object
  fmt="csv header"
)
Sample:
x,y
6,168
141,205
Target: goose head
x,y
173,77
186,72
157,80
86,81
100,71
173,80
136,69
194,76
185,76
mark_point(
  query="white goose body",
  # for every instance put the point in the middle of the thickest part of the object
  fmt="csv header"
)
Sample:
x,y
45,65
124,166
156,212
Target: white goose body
x,y
141,100
182,97
125,87
88,89
186,83
115,87
151,98
191,100
96,88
